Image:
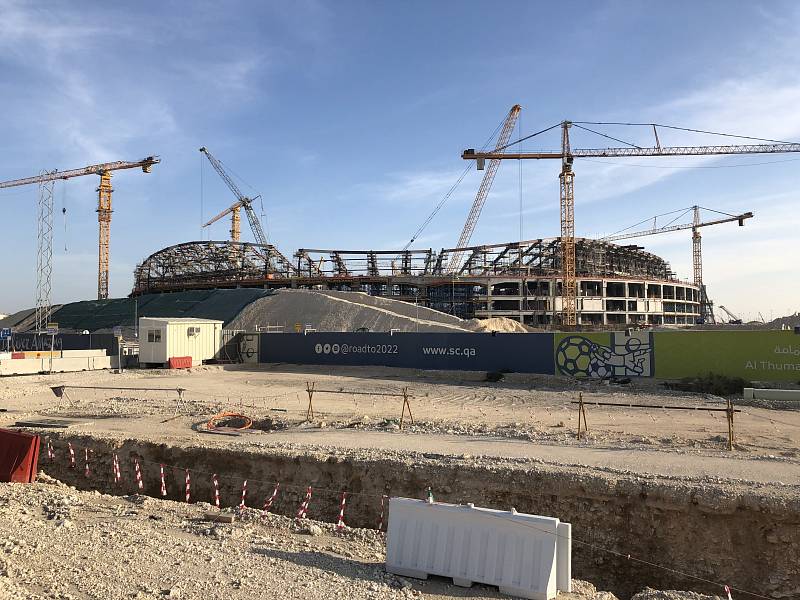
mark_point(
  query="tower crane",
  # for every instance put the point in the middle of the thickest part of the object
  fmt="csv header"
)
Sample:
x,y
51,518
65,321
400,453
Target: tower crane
x,y
233,209
483,191
567,156
44,260
706,306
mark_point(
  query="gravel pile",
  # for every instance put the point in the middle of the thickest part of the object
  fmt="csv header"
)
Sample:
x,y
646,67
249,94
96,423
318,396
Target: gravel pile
x,y
59,543
328,310
342,311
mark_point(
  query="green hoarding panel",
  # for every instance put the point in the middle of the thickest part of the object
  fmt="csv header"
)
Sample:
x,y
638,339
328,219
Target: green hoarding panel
x,y
753,355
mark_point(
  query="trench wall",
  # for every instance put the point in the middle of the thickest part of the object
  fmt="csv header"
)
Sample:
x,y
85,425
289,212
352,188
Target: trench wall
x,y
747,541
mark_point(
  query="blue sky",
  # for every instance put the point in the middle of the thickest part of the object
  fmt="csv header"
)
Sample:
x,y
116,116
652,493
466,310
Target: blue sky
x,y
349,119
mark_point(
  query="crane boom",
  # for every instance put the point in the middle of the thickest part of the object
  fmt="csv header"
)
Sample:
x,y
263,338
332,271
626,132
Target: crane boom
x,y
145,164
228,210
634,234
483,191
255,224
734,320
470,154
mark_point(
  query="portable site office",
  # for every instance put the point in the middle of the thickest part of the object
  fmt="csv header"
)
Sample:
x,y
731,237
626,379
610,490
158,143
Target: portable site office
x,y
161,339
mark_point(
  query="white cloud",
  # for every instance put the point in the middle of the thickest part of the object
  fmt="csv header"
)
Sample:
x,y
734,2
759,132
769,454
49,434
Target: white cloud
x,y
418,187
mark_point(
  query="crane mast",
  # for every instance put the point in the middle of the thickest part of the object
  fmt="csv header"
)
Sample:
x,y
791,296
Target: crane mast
x,y
569,281
566,181
44,258
483,191
247,203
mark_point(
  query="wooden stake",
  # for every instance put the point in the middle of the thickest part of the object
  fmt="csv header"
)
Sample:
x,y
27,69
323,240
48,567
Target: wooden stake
x,y
408,405
730,424
582,413
310,409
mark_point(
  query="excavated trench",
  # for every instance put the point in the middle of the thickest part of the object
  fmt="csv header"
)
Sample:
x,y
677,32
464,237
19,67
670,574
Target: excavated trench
x,y
747,540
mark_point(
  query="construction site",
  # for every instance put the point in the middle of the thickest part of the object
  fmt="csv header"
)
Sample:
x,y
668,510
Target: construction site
x,y
578,420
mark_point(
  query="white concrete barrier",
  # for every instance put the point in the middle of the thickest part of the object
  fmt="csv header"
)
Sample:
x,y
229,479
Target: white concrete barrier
x,y
755,393
524,555
27,366
83,353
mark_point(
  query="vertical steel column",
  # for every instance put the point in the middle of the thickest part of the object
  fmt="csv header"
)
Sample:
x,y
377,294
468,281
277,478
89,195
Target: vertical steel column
x,y
44,252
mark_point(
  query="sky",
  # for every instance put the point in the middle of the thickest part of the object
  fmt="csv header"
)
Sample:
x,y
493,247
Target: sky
x,y
349,119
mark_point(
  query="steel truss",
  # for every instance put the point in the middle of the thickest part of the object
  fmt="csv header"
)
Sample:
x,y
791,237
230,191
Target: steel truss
x,y
205,264
210,264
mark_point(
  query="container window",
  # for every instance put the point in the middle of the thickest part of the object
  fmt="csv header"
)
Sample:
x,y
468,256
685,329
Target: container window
x,y
154,335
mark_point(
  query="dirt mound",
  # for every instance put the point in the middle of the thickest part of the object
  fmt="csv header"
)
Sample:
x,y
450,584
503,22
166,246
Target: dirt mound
x,y
788,322
500,324
343,311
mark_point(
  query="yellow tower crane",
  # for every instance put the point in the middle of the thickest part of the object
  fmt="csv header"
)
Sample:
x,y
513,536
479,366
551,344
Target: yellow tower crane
x,y
45,231
706,306
567,155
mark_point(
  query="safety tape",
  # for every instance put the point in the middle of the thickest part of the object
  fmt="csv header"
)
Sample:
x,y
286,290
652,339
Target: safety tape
x,y
138,470
216,489
271,499
163,482
340,522
303,511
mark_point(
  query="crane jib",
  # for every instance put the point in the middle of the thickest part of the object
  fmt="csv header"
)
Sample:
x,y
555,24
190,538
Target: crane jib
x,y
144,164
626,152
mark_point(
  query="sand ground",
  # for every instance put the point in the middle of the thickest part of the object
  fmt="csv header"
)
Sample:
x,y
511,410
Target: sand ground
x,y
524,416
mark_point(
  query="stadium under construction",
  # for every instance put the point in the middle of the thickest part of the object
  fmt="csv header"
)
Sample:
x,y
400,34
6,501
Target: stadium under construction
x,y
617,285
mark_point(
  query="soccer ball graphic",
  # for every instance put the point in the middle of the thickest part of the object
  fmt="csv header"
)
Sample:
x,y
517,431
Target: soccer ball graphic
x,y
574,356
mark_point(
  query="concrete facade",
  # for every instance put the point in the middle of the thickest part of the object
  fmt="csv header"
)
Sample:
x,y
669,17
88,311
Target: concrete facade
x,y
601,301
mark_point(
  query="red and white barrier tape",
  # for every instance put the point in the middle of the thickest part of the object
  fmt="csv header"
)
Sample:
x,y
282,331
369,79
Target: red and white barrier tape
x,y
138,470
188,487
303,511
216,489
728,591
50,454
383,510
244,494
115,468
271,499
86,471
163,482
71,456
340,522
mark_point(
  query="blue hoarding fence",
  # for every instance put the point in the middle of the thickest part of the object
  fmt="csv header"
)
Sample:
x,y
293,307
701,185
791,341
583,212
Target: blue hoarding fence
x,y
447,351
